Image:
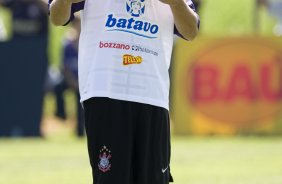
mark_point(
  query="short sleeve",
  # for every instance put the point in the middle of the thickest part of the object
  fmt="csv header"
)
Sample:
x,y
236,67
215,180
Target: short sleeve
x,y
74,8
192,6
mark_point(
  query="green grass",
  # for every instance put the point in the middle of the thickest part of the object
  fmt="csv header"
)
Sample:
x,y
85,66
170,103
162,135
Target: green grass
x,y
64,160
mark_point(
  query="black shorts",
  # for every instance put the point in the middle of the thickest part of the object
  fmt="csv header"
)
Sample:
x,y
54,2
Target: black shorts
x,y
128,142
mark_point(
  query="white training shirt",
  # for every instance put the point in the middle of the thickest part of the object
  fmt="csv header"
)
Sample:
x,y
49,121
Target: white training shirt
x,y
125,50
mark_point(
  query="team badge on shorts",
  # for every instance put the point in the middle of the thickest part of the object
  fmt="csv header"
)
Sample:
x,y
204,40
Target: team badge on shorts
x,y
104,164
136,8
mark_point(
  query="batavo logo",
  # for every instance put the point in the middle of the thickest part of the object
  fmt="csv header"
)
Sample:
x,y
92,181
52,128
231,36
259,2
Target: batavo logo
x,y
129,59
135,25
237,81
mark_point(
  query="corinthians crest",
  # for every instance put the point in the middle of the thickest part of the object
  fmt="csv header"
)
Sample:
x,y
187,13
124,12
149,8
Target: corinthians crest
x,y
136,8
104,164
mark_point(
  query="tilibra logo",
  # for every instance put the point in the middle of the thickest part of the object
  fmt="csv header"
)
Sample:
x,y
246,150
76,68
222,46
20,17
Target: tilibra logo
x,y
130,59
134,25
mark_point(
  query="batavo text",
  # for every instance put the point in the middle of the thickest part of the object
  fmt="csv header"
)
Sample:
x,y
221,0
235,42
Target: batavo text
x,y
131,24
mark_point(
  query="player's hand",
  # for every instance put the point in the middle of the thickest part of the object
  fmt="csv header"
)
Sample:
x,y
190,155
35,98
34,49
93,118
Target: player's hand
x,y
171,2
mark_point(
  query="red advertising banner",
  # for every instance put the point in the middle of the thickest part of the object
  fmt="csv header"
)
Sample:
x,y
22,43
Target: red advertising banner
x,y
227,86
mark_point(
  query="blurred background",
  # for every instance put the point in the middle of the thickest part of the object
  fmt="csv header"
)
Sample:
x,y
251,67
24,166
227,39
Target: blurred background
x,y
226,110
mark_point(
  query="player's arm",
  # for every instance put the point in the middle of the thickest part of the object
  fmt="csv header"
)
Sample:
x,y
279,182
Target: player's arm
x,y
60,11
186,20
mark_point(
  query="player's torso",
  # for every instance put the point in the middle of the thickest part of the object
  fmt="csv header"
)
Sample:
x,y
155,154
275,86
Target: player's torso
x,y
128,42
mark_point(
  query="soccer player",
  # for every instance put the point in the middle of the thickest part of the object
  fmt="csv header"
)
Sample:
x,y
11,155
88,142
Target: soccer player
x,y
124,57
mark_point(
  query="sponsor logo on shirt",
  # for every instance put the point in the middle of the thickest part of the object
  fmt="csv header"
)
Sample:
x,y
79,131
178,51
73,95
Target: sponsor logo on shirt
x,y
139,48
134,25
112,45
123,46
130,59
